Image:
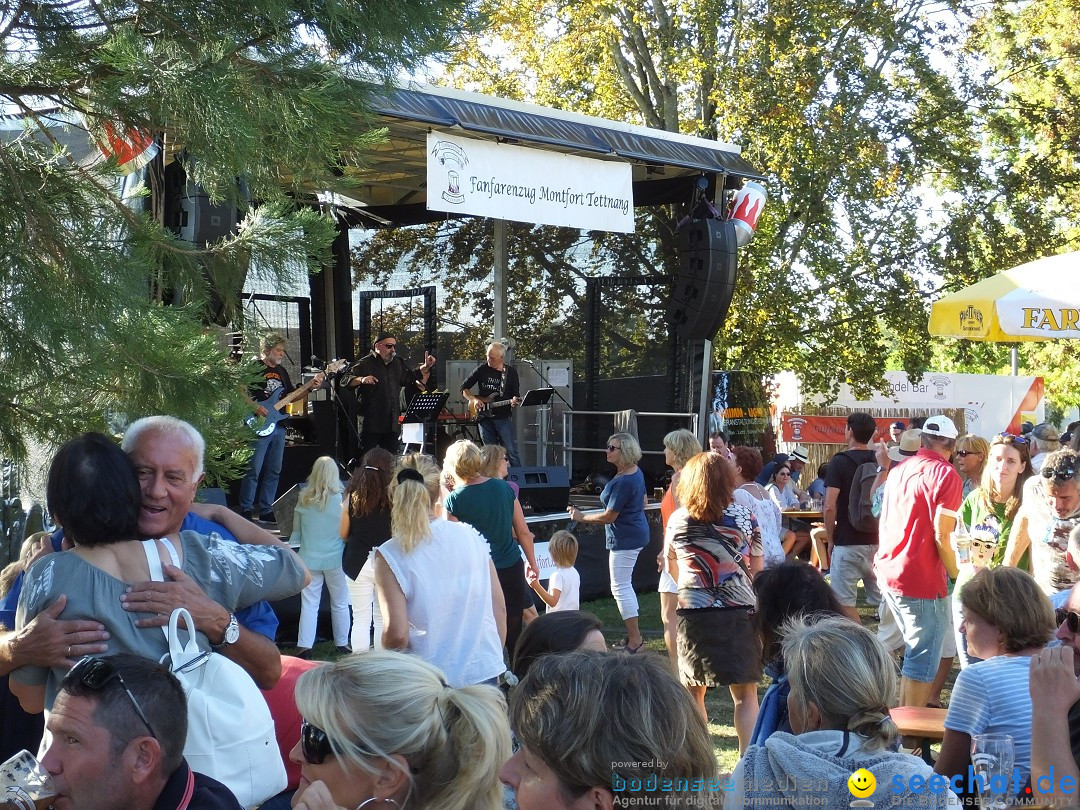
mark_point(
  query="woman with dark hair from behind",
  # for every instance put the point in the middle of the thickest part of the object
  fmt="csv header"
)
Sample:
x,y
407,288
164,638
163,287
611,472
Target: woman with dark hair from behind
x,y
365,524
599,730
93,492
791,589
843,681
558,632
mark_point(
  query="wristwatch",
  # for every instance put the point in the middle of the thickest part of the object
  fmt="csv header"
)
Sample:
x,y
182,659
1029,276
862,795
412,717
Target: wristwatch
x,y
232,633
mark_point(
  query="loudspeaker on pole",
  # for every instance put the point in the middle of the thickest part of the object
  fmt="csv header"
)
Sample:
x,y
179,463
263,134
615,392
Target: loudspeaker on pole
x,y
708,259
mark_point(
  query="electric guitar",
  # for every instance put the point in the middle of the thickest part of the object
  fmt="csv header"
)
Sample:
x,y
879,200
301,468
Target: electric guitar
x,y
482,410
276,402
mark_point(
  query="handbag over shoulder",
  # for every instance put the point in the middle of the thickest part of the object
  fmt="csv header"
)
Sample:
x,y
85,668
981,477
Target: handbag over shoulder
x,y
230,733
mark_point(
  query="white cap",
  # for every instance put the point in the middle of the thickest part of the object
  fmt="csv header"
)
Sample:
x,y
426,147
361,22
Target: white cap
x,y
940,426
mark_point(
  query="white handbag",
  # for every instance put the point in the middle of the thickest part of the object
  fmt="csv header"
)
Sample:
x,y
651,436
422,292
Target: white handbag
x,y
230,730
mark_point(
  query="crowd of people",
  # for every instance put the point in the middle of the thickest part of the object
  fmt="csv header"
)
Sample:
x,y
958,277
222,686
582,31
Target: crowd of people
x,y
452,692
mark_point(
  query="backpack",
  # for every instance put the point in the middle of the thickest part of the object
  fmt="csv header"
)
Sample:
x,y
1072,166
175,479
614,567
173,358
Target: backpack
x,y
860,495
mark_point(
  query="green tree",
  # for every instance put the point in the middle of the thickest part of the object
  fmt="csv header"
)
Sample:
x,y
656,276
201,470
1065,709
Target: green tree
x,y
273,93
839,104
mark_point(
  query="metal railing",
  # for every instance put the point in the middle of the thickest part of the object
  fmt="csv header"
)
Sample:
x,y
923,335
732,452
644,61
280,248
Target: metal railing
x,y
569,448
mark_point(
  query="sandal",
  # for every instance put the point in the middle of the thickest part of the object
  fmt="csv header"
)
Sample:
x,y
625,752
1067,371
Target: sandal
x,y
633,650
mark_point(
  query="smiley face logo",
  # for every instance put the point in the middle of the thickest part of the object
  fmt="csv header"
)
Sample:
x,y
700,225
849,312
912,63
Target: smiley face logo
x,y
862,783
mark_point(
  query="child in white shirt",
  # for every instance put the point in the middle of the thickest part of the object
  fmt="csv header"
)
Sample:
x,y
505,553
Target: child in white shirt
x,y
565,583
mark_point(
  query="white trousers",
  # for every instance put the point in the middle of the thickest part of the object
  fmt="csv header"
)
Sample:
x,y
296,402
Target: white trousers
x,y
620,569
310,598
365,605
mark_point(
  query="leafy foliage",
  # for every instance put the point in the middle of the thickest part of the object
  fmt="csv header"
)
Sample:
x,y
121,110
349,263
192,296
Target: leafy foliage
x,y
273,93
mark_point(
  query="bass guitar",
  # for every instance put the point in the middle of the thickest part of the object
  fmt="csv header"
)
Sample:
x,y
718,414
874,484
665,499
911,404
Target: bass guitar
x,y
276,402
478,409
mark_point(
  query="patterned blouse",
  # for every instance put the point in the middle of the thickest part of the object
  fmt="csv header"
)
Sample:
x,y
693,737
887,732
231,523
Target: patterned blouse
x,y
710,575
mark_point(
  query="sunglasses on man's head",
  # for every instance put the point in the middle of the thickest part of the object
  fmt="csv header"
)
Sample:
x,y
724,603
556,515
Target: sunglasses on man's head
x,y
314,744
1070,618
1059,474
95,673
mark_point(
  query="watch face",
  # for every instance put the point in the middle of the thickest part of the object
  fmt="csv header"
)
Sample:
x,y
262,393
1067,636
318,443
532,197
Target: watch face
x,y
232,632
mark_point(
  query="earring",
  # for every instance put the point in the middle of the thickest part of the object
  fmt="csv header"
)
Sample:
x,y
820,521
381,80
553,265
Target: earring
x,y
366,802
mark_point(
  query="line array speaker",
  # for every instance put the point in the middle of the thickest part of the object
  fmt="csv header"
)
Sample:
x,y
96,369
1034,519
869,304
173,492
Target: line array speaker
x,y
706,282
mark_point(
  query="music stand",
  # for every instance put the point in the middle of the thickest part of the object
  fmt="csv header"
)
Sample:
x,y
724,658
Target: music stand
x,y
538,396
425,407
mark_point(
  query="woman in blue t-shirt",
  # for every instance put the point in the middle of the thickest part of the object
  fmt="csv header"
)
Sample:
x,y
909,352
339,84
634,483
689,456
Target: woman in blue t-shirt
x,y
625,528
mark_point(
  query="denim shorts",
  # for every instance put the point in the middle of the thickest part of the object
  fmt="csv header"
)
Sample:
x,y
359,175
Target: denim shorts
x,y
847,566
924,624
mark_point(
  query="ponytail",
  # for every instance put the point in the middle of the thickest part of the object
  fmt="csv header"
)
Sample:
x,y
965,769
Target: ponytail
x,y
414,491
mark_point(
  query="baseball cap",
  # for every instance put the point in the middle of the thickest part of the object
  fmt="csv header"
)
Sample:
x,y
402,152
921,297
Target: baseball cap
x,y
799,454
940,426
910,442
1046,432
898,426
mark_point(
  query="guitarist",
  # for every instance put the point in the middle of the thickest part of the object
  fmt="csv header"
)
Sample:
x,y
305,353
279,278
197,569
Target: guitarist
x,y
257,498
497,382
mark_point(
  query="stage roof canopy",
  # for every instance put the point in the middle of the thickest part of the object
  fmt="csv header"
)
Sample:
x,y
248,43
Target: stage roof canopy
x,y
665,164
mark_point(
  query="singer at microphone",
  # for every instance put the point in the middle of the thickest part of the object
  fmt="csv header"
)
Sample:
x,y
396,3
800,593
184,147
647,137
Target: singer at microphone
x,y
377,380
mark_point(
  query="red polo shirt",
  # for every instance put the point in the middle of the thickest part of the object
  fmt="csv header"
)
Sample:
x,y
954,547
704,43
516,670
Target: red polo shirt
x,y
907,560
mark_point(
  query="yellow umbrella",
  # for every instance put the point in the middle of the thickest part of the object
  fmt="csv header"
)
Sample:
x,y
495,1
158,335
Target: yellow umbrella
x,y
1039,300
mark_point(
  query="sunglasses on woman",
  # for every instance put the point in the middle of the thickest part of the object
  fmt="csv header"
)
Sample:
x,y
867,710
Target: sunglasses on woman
x,y
1001,438
314,744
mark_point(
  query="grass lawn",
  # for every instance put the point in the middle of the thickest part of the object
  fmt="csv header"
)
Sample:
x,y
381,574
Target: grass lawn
x,y
717,701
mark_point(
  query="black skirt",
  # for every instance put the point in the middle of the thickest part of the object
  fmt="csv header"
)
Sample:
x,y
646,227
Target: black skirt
x,y
718,647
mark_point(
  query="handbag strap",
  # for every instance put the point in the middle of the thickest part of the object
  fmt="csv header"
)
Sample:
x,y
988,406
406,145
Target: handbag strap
x,y
734,552
153,559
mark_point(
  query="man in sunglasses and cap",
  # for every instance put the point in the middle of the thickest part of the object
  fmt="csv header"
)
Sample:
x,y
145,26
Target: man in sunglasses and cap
x,y
118,730
1050,512
377,380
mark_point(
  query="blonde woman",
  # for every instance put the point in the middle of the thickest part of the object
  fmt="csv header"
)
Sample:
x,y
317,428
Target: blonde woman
x,y
384,730
626,531
679,447
972,453
490,506
843,682
316,521
438,589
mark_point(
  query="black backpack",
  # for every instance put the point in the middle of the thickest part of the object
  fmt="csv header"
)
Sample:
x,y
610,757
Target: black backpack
x,y
860,496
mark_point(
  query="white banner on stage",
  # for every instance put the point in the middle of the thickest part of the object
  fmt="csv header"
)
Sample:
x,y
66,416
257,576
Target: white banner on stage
x,y
467,176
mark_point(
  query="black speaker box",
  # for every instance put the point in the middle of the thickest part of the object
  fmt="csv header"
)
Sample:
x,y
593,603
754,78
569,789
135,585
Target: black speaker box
x,y
545,489
705,285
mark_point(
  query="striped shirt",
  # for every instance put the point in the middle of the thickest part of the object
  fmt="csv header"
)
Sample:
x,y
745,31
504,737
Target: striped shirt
x,y
991,697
